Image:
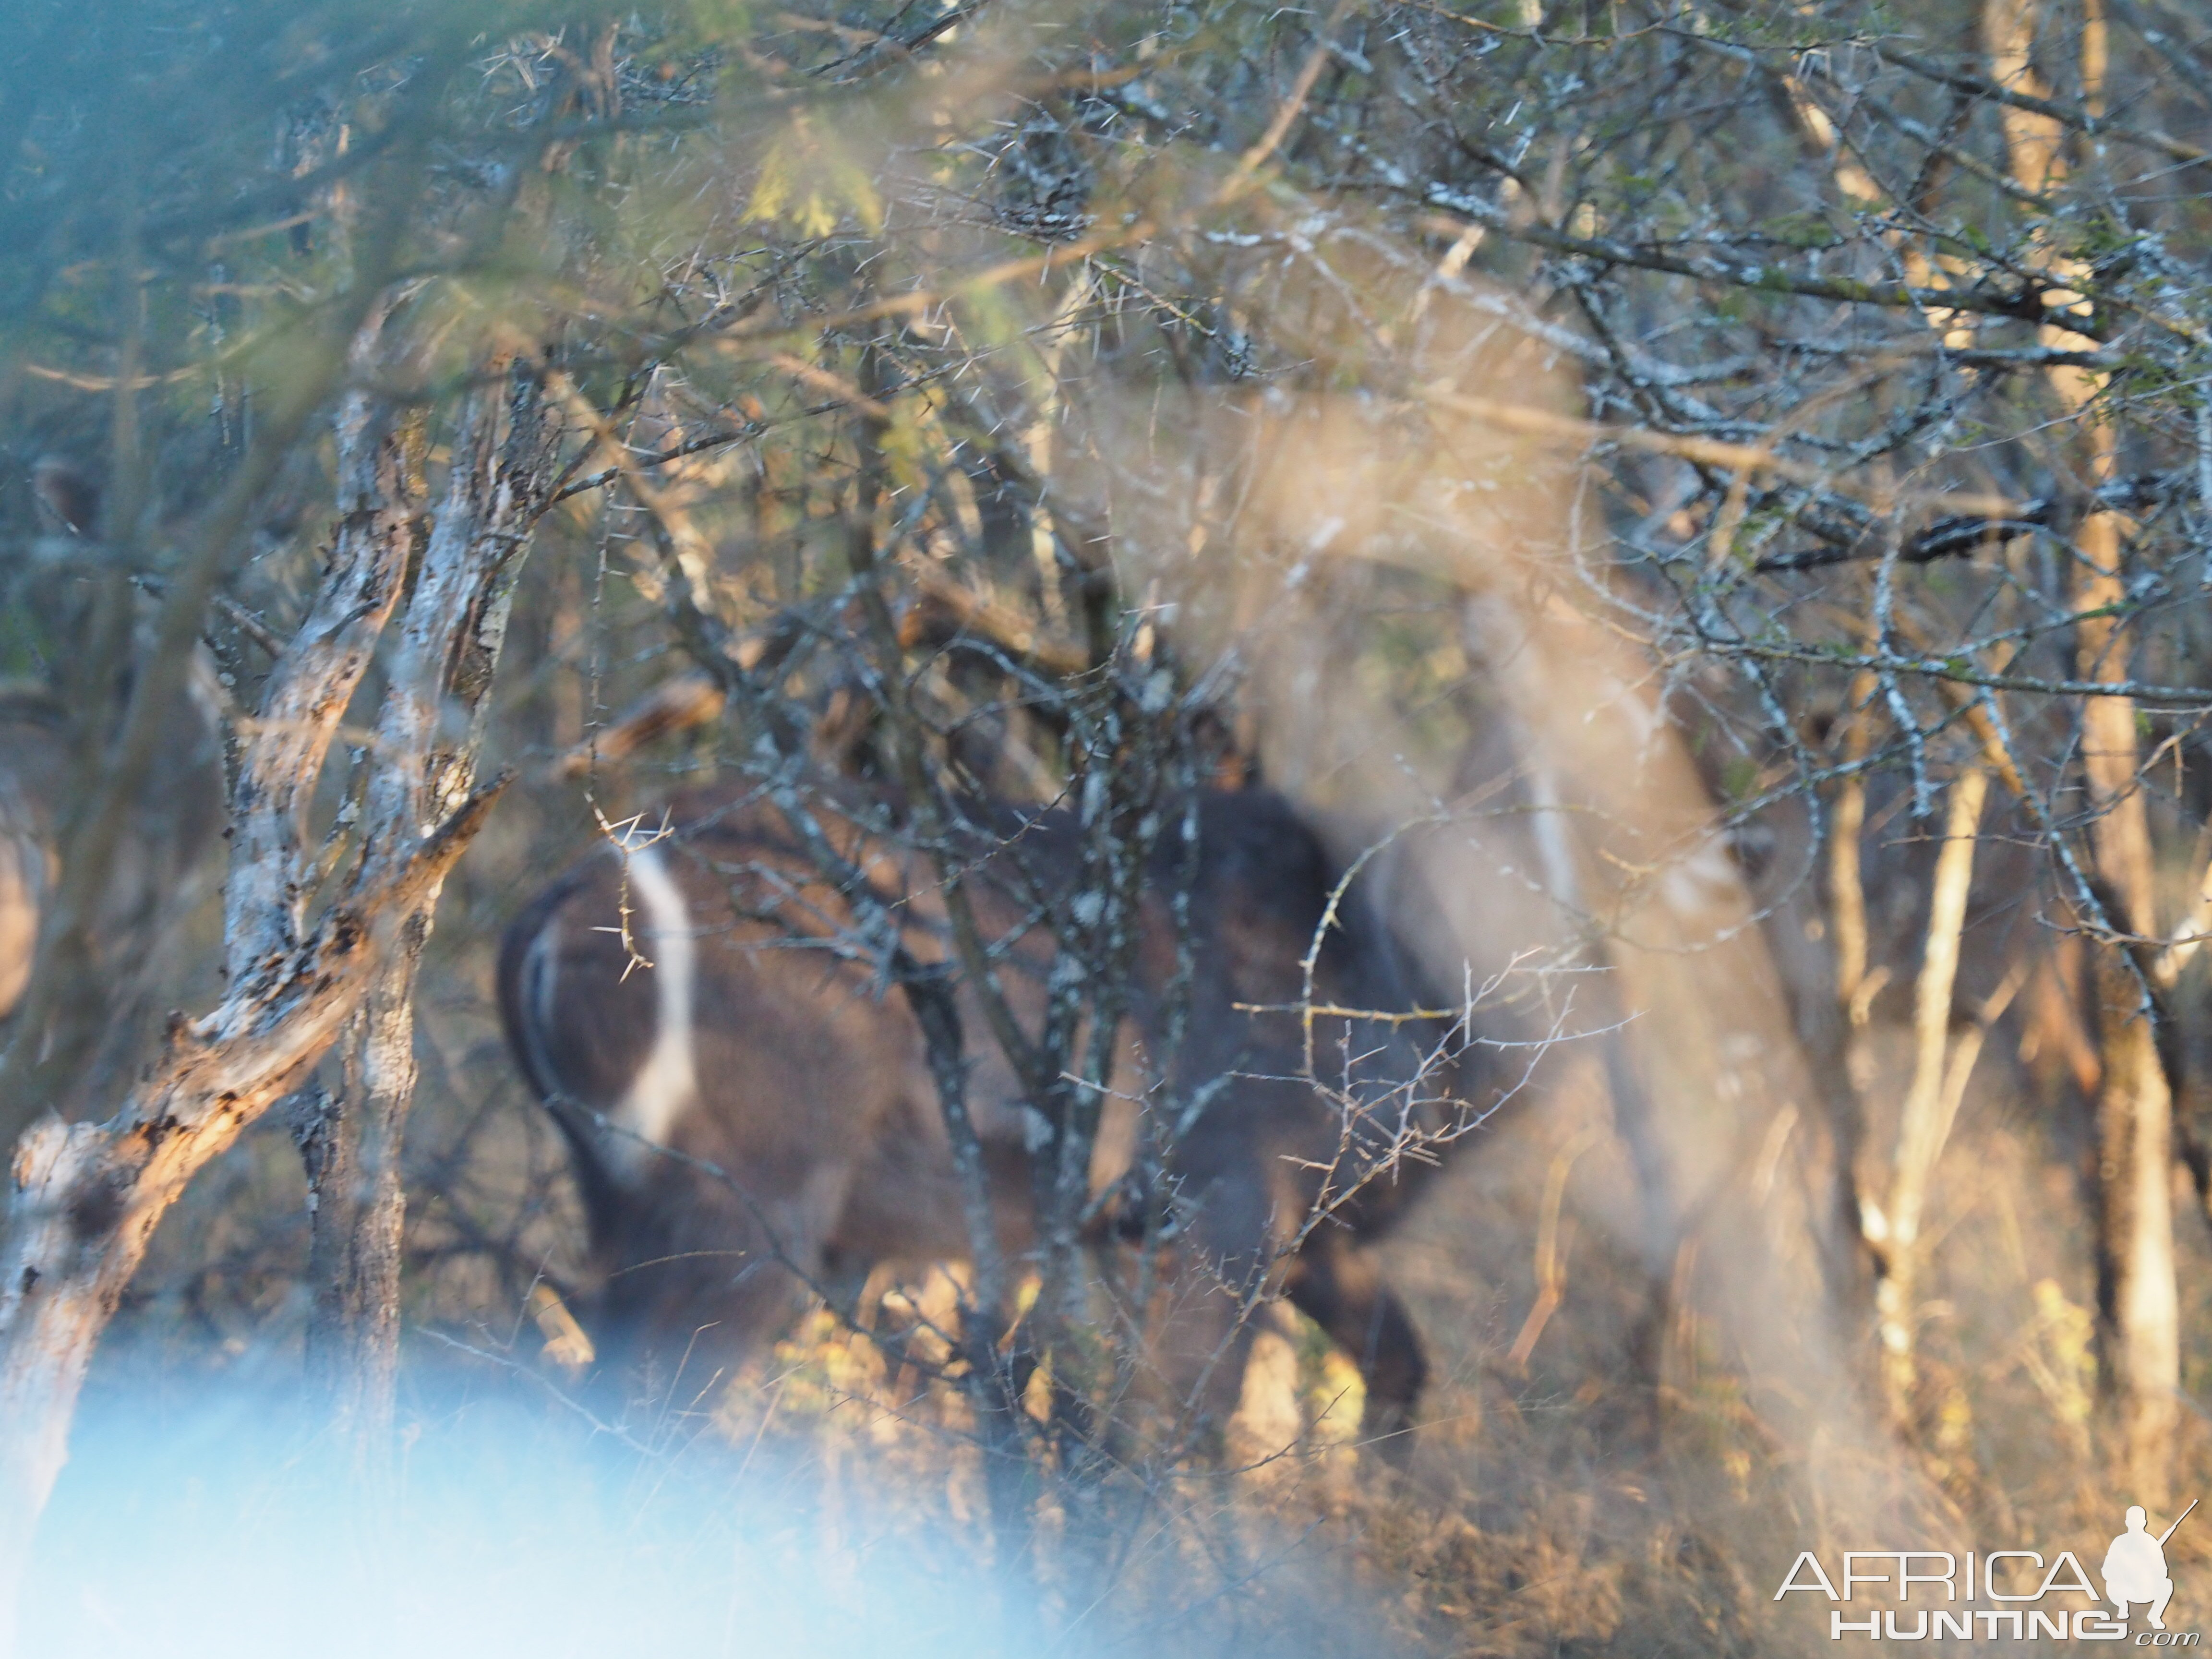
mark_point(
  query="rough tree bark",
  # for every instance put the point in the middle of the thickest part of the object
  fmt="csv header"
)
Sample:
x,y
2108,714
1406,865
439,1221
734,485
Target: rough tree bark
x,y
86,1197
38,1077
431,728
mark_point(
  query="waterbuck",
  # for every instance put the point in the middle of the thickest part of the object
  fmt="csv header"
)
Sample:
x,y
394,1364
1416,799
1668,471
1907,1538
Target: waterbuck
x,y
706,1017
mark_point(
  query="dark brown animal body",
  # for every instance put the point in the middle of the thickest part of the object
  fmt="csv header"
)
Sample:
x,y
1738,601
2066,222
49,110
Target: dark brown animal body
x,y
764,1041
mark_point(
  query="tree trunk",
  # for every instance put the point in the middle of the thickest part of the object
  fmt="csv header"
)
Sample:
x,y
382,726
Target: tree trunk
x,y
2137,1302
87,1197
433,718
1924,1124
353,1159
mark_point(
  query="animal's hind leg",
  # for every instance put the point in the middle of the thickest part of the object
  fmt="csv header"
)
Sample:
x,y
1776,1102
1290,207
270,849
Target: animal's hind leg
x,y
1343,1291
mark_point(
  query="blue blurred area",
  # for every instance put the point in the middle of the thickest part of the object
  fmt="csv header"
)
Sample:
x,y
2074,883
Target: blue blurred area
x,y
219,1527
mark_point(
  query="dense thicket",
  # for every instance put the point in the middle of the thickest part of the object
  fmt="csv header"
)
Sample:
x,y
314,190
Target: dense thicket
x,y
1720,493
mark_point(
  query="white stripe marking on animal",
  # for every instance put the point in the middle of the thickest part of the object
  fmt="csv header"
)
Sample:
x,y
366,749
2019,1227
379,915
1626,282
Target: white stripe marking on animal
x,y
668,1081
541,972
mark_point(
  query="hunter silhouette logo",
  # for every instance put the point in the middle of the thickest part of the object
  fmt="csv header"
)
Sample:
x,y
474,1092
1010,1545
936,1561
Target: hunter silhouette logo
x,y
2135,1566
2019,1582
